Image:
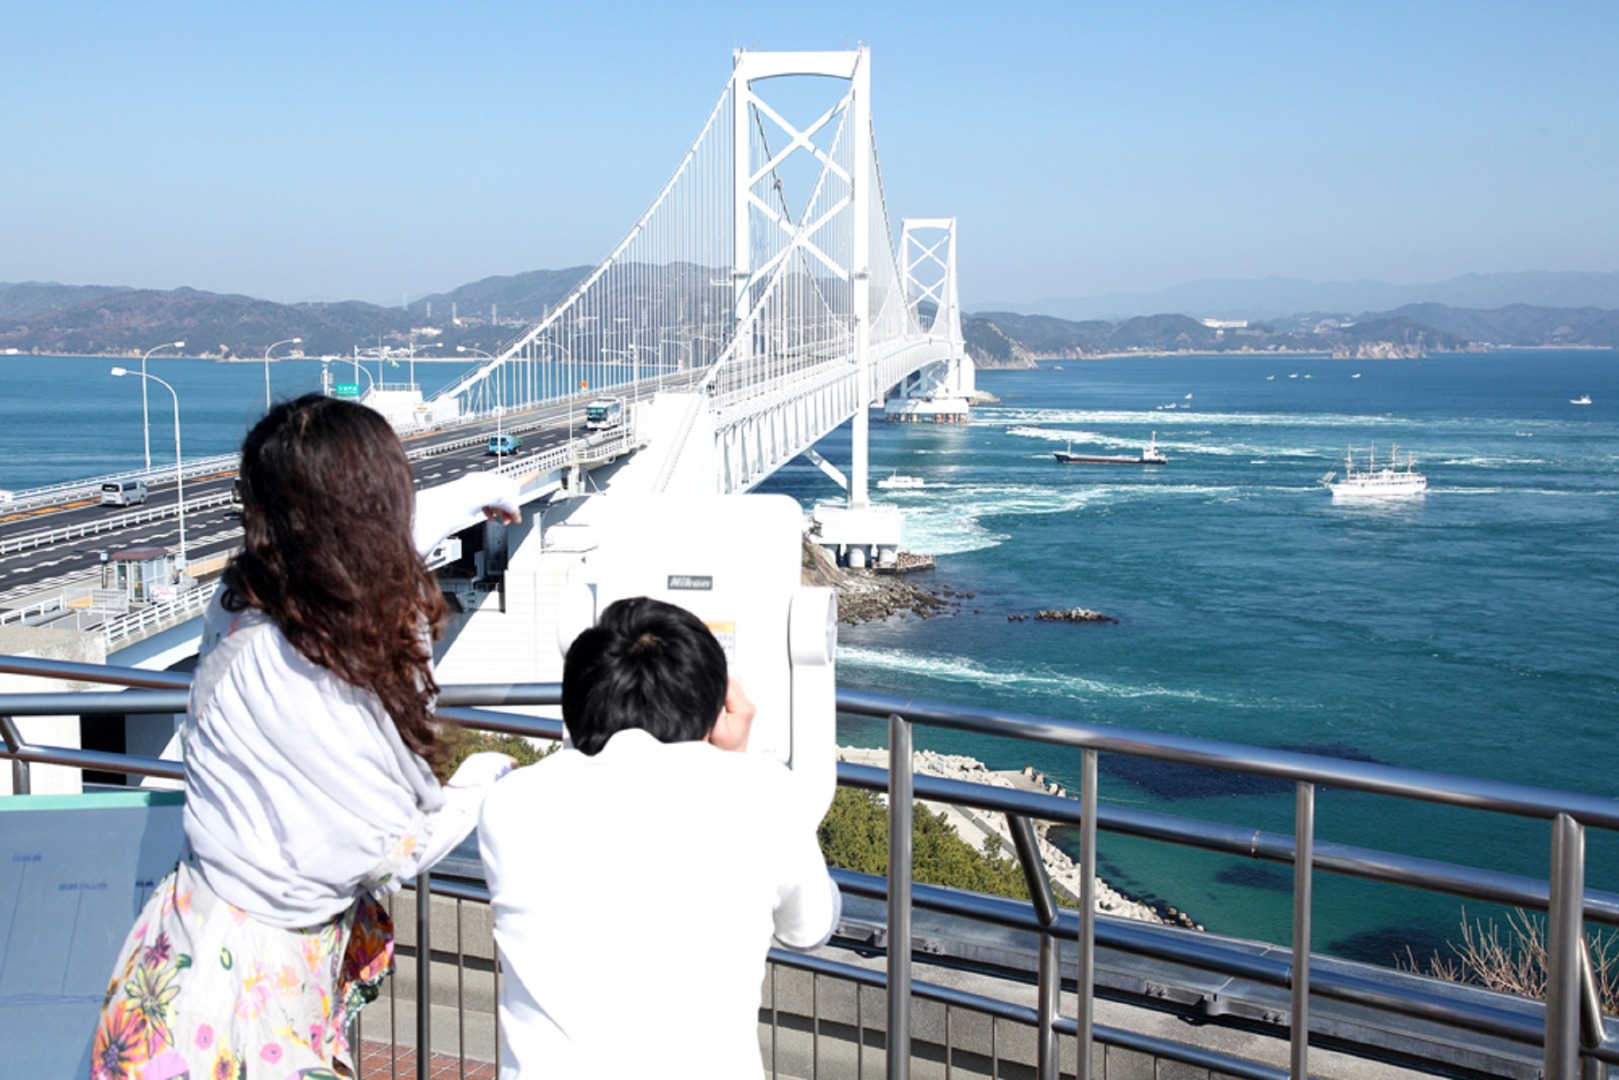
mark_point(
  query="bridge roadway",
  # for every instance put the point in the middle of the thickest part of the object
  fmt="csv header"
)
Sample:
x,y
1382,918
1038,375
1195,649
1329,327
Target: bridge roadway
x,y
45,548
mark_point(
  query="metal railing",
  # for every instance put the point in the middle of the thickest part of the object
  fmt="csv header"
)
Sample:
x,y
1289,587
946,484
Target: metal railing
x,y
31,498
152,511
1568,1031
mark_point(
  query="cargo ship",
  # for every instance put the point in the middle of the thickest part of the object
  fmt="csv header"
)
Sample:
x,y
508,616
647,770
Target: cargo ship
x,y
1150,455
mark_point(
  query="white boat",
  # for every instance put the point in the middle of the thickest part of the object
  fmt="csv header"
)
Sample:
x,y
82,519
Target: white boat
x,y
1376,481
899,480
1583,399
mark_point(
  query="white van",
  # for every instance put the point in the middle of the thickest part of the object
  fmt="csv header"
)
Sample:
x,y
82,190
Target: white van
x,y
123,493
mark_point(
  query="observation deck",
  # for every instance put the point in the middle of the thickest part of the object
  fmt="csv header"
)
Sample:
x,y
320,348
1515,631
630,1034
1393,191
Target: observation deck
x,y
987,986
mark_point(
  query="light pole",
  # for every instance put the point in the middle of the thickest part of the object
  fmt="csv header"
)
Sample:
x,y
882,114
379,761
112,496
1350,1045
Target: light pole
x,y
267,352
179,482
146,416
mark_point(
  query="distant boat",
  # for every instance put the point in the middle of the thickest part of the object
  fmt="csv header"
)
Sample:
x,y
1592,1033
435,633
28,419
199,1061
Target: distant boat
x,y
899,480
1188,397
1583,399
1150,455
1356,375
1270,378
1376,481
1294,375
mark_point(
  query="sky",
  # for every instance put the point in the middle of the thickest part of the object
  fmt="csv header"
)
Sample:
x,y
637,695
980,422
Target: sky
x,y
378,151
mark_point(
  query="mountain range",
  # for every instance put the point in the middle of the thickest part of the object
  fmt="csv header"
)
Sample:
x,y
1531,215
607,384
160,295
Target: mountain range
x,y
1572,310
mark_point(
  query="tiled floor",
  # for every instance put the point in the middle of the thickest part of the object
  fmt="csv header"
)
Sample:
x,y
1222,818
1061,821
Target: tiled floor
x,y
380,1061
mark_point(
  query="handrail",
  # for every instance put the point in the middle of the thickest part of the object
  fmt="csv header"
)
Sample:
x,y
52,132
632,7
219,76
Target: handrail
x,y
1566,1027
152,511
29,498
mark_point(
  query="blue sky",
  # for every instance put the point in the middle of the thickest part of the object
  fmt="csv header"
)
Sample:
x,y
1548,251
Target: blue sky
x,y
372,150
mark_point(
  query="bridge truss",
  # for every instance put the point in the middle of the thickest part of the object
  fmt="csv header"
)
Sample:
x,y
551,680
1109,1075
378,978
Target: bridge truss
x,y
763,281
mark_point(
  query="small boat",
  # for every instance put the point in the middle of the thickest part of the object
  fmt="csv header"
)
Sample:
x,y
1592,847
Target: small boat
x,y
1150,455
1376,481
1356,375
899,480
1583,399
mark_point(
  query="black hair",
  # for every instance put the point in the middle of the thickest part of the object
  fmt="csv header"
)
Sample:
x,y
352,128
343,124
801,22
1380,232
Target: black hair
x,y
645,664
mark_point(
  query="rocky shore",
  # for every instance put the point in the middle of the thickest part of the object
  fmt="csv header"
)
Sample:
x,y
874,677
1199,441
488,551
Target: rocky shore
x,y
976,826
864,595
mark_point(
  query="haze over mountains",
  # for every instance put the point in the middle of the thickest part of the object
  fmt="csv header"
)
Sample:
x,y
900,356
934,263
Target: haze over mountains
x,y
1277,297
1477,311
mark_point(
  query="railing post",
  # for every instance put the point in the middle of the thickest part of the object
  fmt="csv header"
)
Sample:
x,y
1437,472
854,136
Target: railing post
x,y
1565,939
1303,883
21,782
900,842
424,978
1049,971
1086,973
1591,1028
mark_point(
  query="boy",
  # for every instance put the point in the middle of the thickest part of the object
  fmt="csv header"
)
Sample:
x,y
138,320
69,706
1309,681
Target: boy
x,y
638,877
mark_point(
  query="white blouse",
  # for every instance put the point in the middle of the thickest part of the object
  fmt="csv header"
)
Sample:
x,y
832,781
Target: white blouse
x,y
300,793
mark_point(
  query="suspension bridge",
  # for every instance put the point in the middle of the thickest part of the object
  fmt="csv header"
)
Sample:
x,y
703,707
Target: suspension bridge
x,y
761,301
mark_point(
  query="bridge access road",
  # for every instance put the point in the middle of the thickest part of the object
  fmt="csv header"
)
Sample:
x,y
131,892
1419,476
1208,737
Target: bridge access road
x,y
46,549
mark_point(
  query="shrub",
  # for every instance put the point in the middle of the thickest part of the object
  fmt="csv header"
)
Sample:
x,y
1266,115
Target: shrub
x,y
1513,959
854,836
464,742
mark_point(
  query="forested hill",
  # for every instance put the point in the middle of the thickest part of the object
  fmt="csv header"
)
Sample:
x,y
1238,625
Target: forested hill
x,y
1008,339
119,321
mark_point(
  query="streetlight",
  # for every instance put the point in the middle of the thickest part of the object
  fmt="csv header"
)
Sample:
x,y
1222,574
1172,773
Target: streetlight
x,y
267,352
179,482
146,416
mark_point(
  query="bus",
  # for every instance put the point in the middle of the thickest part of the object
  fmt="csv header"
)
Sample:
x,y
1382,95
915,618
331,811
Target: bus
x,y
604,413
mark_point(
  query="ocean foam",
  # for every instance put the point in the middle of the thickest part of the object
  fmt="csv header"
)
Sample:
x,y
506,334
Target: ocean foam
x,y
1039,681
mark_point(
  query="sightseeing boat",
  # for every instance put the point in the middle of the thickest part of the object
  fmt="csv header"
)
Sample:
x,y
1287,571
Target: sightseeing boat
x,y
900,480
1150,455
1376,481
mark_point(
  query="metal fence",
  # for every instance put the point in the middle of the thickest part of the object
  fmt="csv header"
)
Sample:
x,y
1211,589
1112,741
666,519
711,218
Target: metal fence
x,y
1567,1032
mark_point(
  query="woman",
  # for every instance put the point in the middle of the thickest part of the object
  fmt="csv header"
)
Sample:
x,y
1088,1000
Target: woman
x,y
309,754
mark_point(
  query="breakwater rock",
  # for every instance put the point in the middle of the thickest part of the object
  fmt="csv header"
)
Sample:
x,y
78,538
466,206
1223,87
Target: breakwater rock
x,y
976,826
1073,615
864,595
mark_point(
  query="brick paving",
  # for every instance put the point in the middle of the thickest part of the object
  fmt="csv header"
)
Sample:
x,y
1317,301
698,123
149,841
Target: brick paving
x,y
383,1061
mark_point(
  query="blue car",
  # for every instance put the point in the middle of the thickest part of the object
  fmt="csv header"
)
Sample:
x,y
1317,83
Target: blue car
x,y
505,444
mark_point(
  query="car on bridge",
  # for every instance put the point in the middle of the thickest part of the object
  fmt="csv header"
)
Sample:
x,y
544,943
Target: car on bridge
x,y
123,493
505,443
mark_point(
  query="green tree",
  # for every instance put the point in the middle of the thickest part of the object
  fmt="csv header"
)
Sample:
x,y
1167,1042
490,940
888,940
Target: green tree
x,y
854,836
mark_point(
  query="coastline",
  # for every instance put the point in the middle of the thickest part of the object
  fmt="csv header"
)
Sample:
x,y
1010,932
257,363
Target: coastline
x,y
974,828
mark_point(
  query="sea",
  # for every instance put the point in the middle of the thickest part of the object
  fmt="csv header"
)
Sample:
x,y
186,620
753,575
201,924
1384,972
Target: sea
x,y
1472,630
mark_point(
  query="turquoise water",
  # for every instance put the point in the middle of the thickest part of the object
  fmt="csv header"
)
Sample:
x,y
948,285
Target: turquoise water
x,y
67,417
1473,630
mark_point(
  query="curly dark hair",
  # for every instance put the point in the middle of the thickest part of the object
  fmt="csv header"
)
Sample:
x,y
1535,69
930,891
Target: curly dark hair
x,y
327,503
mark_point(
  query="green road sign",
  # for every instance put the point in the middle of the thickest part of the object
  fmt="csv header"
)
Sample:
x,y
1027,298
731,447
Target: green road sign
x,y
347,389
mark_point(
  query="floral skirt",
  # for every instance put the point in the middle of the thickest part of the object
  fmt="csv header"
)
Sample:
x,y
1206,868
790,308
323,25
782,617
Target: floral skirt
x,y
204,991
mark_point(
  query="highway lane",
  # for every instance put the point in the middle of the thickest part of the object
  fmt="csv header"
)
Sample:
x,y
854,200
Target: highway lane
x,y
437,458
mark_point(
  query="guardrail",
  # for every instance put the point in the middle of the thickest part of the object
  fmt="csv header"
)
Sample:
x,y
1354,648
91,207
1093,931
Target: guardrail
x,y
150,511
124,627
1558,1038
30,498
